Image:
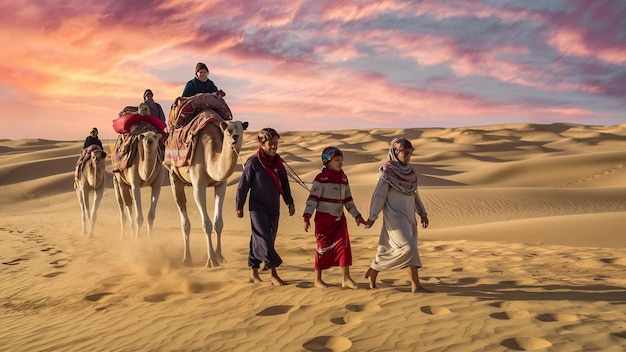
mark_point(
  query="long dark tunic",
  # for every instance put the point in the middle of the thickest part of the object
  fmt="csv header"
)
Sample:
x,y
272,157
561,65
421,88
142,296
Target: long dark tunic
x,y
264,206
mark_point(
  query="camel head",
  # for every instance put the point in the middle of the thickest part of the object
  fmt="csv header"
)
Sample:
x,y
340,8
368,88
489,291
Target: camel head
x,y
97,156
150,138
233,132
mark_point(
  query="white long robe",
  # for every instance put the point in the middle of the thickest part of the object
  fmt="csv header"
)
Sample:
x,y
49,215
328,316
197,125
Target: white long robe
x,y
397,245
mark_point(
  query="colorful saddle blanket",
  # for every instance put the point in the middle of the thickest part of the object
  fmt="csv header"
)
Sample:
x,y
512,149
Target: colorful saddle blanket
x,y
184,109
182,141
125,150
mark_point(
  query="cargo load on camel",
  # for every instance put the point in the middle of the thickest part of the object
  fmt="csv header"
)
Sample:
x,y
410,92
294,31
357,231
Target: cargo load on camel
x,y
129,125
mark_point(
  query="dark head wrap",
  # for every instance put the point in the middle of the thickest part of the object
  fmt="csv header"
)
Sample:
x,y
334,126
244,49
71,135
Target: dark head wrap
x,y
145,94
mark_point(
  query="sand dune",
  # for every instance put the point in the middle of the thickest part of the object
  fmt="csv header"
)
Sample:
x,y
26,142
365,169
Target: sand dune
x,y
525,252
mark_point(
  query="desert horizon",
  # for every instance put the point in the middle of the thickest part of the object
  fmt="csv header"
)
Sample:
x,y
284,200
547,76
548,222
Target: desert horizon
x,y
525,251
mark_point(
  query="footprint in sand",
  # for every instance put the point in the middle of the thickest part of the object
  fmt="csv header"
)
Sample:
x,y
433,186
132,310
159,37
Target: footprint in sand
x,y
14,261
510,314
350,318
328,344
355,313
435,310
526,343
549,317
367,307
160,297
112,280
53,274
274,310
615,261
59,263
621,334
97,296
49,249
304,285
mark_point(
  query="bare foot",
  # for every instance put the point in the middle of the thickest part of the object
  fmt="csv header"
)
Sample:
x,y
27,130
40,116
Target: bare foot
x,y
371,275
349,283
420,289
320,284
277,281
254,276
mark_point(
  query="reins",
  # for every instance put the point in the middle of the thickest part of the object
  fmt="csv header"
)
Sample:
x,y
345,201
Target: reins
x,y
291,173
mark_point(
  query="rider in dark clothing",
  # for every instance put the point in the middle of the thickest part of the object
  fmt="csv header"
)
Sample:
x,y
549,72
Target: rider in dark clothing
x,y
201,83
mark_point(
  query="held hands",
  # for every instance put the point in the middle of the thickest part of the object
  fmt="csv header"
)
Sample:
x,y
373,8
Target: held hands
x,y
359,221
369,223
240,213
292,209
424,221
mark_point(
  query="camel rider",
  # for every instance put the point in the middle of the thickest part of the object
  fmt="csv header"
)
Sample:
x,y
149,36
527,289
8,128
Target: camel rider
x,y
155,108
92,139
201,83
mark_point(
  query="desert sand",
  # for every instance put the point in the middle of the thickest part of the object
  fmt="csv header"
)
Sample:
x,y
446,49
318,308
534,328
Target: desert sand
x,y
526,251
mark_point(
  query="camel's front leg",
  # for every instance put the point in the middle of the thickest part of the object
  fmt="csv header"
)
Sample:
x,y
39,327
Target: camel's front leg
x,y
178,188
154,198
218,221
94,210
84,211
120,202
199,194
136,195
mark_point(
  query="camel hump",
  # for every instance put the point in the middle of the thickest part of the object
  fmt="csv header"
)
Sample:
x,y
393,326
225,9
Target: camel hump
x,y
184,108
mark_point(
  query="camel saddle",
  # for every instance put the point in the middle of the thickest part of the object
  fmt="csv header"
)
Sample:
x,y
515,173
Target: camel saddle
x,y
185,108
84,157
125,147
182,141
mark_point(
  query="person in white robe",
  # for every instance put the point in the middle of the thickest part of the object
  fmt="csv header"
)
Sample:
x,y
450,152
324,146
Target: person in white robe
x,y
396,195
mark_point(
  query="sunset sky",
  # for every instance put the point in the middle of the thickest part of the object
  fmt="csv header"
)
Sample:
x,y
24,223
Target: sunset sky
x,y
67,66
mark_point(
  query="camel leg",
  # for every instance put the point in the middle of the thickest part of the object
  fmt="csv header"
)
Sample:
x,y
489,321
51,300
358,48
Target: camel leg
x,y
154,198
218,221
80,194
199,194
135,190
120,202
178,188
94,210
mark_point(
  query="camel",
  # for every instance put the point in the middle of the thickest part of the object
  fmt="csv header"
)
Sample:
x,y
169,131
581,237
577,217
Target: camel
x,y
91,180
213,161
145,169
